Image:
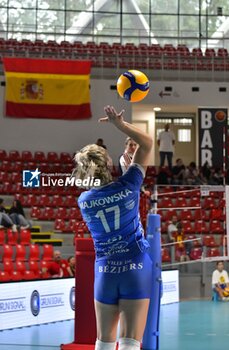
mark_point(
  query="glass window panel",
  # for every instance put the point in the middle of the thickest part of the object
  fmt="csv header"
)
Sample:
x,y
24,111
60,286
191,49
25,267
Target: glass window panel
x,y
79,22
82,5
109,6
142,5
165,25
184,135
189,7
19,4
3,19
133,25
50,21
164,6
51,4
107,24
22,20
189,26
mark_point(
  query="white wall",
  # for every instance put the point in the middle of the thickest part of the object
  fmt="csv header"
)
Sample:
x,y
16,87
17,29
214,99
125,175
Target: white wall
x,y
64,135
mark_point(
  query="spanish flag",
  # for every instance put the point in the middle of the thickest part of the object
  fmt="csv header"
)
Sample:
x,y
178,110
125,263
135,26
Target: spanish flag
x,y
40,88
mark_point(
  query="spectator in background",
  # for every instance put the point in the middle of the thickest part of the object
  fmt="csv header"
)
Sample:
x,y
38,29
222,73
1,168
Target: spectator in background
x,y
172,229
166,142
220,281
183,249
5,220
162,176
192,175
178,173
17,215
71,266
126,157
58,267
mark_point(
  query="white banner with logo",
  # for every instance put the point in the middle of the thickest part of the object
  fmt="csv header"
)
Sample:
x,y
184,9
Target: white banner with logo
x,y
34,303
170,281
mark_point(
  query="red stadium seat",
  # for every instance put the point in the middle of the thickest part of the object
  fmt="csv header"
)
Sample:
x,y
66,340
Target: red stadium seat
x,y
47,252
35,213
59,225
208,203
31,200
48,214
5,166
29,275
196,254
75,214
212,252
65,158
5,177
70,201
16,276
7,253
194,202
62,214
44,201
26,156
8,266
209,241
20,266
35,268
20,252
180,202
25,237
34,252
186,214
52,157
39,157
216,227
57,201
165,202
200,227
187,226
4,276
14,156
12,237
3,155
2,236
165,256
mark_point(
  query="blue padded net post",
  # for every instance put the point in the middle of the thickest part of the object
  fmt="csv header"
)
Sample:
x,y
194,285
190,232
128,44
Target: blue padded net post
x,y
151,334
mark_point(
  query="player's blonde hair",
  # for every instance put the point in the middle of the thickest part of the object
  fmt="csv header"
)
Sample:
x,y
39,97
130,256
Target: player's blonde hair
x,y
92,162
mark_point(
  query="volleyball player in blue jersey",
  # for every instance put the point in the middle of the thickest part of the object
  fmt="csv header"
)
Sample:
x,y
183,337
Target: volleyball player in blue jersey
x,y
123,268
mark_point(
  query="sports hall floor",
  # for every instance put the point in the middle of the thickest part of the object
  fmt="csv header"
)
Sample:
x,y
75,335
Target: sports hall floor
x,y
189,325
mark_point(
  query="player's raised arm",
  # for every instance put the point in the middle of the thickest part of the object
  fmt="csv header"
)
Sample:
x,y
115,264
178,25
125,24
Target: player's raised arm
x,y
144,141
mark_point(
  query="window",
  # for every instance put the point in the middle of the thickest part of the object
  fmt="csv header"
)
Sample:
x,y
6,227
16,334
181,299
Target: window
x,y
182,121
163,121
184,135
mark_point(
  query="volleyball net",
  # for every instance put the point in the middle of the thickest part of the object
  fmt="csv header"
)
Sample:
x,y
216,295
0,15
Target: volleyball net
x,y
194,223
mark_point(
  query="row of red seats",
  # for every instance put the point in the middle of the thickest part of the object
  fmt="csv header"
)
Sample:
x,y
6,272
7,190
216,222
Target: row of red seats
x,y
49,214
20,253
105,47
20,270
193,215
12,238
199,226
78,227
195,254
19,191
37,157
204,203
55,201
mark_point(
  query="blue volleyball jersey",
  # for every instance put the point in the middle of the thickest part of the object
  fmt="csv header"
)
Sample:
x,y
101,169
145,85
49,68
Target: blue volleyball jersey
x,y
112,216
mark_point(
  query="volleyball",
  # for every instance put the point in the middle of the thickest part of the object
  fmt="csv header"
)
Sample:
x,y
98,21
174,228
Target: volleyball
x,y
133,85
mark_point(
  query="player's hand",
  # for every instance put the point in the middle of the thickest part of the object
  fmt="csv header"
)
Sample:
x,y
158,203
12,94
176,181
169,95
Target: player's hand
x,y
112,116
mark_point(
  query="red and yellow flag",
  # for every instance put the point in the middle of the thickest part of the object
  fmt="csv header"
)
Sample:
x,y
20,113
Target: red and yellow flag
x,y
40,88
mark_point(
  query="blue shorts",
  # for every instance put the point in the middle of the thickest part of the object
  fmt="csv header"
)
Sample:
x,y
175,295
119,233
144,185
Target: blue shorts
x,y
123,279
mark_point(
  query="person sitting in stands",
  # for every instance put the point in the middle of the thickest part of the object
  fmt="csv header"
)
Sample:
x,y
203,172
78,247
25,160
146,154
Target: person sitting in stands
x,y
71,266
58,267
17,215
220,281
5,220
